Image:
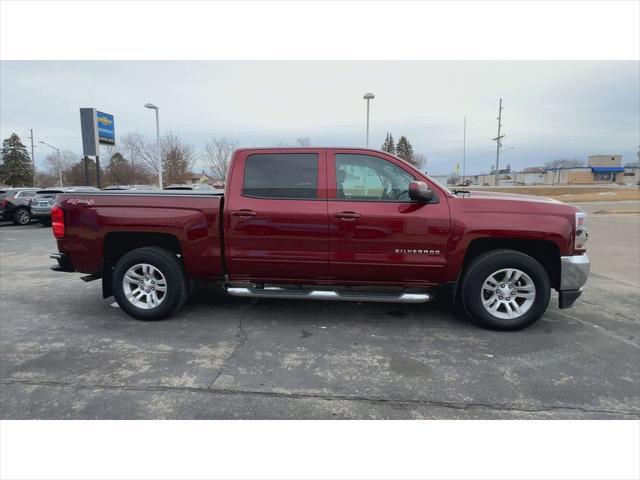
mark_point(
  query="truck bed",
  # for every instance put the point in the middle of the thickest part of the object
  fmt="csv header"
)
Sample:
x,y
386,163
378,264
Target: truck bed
x,y
99,224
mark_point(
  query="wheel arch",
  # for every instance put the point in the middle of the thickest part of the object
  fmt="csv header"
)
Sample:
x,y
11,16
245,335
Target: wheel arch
x,y
546,252
117,244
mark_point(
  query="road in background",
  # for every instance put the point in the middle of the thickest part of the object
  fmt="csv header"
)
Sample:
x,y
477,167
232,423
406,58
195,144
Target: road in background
x,y
614,240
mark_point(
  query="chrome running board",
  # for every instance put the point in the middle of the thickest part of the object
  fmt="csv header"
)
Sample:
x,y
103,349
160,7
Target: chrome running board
x,y
278,292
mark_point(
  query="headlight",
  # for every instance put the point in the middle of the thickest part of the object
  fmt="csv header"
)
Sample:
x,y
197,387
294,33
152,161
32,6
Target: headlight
x,y
582,231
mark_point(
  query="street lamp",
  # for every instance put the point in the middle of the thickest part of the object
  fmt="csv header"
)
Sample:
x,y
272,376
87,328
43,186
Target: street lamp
x,y
368,97
157,109
58,160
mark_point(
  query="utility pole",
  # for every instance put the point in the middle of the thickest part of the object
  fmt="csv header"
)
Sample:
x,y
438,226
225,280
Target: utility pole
x,y
464,149
498,141
33,158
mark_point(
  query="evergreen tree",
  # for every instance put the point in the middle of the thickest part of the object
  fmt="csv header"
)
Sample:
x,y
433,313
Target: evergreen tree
x,y
119,171
404,149
16,169
75,174
385,145
388,145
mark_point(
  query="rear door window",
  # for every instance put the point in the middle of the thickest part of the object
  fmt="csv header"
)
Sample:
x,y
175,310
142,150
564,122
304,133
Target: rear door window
x,y
281,175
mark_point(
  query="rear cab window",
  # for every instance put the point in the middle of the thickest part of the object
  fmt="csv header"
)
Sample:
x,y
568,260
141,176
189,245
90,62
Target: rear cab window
x,y
281,176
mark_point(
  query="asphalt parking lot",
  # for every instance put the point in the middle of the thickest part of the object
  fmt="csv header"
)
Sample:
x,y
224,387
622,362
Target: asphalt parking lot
x,y
65,353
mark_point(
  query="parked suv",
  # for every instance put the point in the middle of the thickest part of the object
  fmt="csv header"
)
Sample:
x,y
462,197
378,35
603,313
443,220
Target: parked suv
x,y
14,204
44,199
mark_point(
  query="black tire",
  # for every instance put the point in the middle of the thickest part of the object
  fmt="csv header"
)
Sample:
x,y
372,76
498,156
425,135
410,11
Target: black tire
x,y
21,216
485,265
171,268
46,222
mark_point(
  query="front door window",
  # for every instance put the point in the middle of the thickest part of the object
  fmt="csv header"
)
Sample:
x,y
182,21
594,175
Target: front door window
x,y
365,177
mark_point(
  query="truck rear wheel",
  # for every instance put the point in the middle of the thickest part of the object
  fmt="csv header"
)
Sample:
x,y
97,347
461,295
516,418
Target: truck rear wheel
x,y
149,283
505,290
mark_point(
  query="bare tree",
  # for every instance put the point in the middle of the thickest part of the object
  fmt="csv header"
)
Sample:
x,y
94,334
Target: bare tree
x,y
453,179
177,159
300,142
175,155
62,165
217,155
46,180
559,163
119,171
420,161
140,150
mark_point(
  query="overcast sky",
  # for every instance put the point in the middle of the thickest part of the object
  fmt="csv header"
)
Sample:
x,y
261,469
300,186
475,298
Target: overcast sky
x,y
551,109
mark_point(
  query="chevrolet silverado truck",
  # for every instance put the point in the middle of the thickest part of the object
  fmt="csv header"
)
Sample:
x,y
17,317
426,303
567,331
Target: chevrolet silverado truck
x,y
327,224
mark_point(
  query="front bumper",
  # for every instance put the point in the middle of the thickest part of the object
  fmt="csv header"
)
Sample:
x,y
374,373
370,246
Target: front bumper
x,y
574,271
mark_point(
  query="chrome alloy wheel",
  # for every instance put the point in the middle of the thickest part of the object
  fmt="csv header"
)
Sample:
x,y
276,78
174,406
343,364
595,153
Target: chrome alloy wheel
x,y
508,293
144,286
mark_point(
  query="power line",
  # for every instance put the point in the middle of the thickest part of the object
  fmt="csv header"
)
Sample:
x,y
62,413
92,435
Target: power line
x,y
33,157
498,141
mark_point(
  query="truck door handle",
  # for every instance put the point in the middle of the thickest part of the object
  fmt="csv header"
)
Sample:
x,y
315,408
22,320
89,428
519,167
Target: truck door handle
x,y
347,215
243,213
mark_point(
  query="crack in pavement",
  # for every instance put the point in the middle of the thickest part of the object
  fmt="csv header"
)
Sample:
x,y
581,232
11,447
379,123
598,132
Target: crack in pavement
x,y
242,339
327,397
605,331
595,274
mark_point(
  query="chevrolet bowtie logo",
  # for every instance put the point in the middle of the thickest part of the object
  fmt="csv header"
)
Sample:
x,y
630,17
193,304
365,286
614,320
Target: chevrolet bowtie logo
x,y
418,250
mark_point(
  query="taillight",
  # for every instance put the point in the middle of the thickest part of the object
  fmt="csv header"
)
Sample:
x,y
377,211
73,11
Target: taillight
x,y
3,203
57,221
582,232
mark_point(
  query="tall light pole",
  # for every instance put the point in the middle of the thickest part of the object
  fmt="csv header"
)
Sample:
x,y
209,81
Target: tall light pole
x,y
157,109
58,160
368,97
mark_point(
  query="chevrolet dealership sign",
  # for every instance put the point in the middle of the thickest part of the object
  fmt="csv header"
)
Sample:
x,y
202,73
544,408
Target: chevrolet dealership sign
x,y
106,129
97,127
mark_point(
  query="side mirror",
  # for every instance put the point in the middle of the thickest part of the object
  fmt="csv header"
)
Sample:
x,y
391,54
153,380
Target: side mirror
x,y
420,192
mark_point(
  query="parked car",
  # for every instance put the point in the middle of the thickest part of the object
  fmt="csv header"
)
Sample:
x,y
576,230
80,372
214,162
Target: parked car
x,y
42,202
131,187
14,204
190,186
327,223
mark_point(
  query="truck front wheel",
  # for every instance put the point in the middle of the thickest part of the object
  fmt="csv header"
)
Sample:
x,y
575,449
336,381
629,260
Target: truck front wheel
x,y
505,290
149,283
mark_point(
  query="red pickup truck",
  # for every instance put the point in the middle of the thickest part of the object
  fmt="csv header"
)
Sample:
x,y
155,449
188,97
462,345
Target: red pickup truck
x,y
327,223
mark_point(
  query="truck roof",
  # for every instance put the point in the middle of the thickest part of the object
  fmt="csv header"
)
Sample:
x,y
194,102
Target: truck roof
x,y
294,149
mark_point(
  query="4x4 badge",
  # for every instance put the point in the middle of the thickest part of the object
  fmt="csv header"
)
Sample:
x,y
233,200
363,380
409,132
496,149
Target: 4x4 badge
x,y
418,250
